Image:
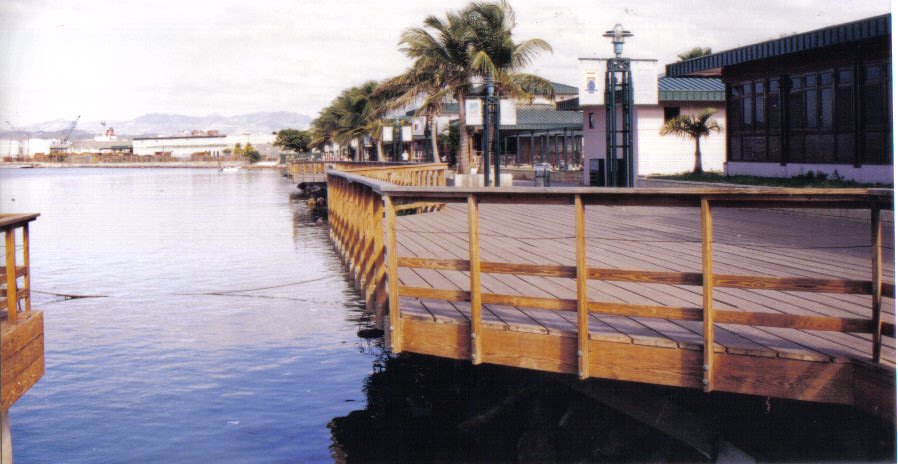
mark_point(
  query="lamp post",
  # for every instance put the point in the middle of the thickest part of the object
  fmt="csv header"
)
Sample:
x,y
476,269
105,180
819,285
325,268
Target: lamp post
x,y
490,128
619,89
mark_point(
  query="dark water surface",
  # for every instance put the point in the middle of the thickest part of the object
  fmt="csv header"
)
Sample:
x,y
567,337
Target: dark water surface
x,y
162,370
156,372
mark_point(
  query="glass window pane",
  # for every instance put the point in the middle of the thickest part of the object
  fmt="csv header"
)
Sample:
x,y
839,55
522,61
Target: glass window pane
x,y
846,77
773,112
759,88
796,83
810,105
746,90
826,108
746,113
872,73
844,109
796,110
773,86
826,78
810,81
759,110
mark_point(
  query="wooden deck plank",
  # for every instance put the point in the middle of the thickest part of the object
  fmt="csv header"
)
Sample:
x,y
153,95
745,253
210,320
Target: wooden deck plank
x,y
515,233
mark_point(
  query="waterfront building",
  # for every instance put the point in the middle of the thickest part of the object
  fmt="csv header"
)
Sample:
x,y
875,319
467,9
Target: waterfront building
x,y
190,146
656,99
818,101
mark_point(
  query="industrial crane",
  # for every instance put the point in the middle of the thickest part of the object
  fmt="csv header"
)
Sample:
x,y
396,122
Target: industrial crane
x,y
63,144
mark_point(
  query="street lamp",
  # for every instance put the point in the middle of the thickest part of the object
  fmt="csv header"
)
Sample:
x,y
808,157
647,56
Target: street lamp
x,y
619,129
617,36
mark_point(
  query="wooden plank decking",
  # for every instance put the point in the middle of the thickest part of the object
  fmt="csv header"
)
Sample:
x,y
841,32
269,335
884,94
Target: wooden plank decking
x,y
654,239
628,288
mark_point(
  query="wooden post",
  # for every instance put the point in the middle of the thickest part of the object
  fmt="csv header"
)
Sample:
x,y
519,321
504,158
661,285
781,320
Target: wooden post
x,y
582,290
474,254
876,248
393,276
11,293
26,262
380,291
5,438
707,298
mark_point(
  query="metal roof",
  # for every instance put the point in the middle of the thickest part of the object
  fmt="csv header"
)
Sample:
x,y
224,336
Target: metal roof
x,y
877,26
543,117
690,89
564,89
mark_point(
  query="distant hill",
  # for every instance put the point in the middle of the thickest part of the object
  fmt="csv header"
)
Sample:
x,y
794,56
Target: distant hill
x,y
173,124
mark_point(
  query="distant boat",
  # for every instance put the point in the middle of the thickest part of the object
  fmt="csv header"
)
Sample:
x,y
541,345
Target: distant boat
x,y
231,169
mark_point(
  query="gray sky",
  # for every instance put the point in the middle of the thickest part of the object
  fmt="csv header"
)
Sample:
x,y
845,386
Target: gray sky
x,y
120,59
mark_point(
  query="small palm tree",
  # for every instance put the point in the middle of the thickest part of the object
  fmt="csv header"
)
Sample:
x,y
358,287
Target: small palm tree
x,y
693,126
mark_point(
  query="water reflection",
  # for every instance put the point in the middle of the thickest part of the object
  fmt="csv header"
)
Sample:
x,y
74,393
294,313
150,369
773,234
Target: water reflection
x,y
425,409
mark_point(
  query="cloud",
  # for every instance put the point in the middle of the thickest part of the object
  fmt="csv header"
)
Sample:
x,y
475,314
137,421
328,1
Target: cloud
x,y
117,60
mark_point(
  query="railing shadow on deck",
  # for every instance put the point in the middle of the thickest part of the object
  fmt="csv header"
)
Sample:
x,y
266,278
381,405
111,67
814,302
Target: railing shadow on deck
x,y
364,206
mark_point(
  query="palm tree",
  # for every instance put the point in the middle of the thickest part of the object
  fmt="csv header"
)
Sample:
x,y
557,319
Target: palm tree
x,y
419,82
469,45
693,126
441,48
695,52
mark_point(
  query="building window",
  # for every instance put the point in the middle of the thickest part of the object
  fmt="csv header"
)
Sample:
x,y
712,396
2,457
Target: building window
x,y
838,115
671,112
592,120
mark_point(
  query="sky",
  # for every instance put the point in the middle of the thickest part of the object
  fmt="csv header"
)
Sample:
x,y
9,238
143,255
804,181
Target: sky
x,y
115,60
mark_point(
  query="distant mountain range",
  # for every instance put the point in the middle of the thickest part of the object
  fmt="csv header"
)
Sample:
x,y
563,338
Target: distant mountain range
x,y
172,124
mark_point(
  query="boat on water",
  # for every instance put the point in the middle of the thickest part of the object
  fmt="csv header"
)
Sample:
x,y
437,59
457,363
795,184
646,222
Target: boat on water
x,y
229,169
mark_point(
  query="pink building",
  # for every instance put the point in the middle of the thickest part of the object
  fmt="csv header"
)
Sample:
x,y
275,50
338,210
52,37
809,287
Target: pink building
x,y
656,99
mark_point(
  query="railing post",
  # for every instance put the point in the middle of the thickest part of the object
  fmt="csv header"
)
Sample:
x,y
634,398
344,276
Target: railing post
x,y
474,260
380,291
26,262
707,297
582,290
393,276
11,293
876,249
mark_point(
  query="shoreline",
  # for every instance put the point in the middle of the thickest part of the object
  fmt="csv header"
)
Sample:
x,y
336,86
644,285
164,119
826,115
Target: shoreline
x,y
149,165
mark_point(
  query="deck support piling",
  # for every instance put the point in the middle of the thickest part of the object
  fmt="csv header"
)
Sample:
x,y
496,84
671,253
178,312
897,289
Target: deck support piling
x,y
5,438
474,255
876,281
582,290
707,298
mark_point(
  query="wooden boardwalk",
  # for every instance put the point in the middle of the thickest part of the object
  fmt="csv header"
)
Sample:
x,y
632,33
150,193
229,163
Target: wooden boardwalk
x,y
623,285
654,239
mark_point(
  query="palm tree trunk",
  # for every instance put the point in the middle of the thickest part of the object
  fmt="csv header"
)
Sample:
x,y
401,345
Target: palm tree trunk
x,y
462,157
380,150
434,148
698,158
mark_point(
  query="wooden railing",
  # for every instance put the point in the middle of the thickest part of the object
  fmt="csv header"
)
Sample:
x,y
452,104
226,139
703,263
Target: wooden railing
x,y
416,175
15,298
355,213
705,200
359,215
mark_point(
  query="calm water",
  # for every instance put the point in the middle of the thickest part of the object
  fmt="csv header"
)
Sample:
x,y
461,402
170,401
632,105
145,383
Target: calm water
x,y
228,333
156,372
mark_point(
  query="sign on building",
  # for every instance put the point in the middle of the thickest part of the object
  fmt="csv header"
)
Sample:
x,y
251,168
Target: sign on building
x,y
592,81
508,115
